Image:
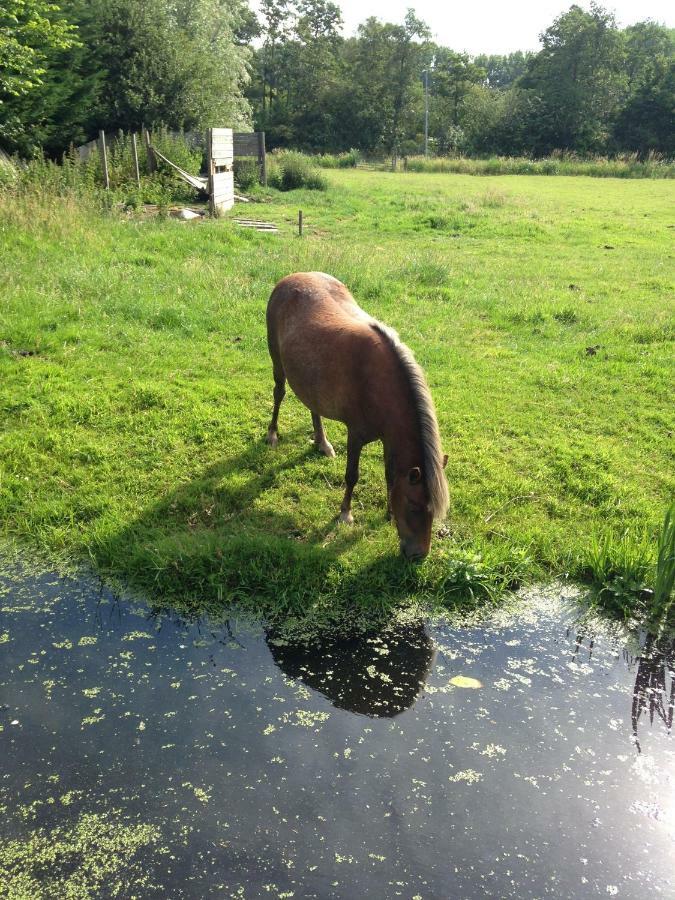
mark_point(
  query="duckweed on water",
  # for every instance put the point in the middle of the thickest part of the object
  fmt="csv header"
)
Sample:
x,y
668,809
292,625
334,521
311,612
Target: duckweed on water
x,y
97,855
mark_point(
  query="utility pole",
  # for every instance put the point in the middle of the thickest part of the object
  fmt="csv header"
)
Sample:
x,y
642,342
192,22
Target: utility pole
x,y
426,112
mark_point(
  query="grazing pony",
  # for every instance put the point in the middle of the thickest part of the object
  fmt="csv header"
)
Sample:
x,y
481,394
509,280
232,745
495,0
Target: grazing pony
x,y
345,365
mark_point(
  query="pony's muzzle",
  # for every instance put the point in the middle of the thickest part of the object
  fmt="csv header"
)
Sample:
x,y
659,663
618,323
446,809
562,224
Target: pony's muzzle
x,y
413,552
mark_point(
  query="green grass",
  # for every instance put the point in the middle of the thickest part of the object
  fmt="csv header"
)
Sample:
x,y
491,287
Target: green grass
x,y
135,389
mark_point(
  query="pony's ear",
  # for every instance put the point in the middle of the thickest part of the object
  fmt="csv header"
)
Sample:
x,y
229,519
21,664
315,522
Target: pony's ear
x,y
445,460
415,475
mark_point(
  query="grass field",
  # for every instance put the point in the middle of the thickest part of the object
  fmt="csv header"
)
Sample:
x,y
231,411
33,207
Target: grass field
x,y
135,390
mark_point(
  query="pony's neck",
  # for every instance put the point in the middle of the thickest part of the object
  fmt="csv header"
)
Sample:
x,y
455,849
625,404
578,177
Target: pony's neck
x,y
401,439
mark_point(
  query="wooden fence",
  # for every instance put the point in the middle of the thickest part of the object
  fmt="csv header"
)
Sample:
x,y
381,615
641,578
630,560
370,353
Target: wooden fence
x,y
244,145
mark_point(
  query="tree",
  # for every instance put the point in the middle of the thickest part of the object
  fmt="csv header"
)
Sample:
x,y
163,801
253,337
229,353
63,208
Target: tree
x,y
30,32
387,64
648,47
176,64
647,122
453,75
502,71
579,79
277,16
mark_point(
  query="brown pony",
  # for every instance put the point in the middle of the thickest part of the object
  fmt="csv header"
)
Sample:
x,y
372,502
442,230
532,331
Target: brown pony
x,y
345,365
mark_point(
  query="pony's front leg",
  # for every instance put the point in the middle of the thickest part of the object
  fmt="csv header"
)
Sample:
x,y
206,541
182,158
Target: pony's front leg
x,y
389,480
354,447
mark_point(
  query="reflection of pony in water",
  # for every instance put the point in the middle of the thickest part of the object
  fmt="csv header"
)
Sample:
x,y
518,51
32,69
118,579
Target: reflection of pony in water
x,y
345,365
655,666
379,675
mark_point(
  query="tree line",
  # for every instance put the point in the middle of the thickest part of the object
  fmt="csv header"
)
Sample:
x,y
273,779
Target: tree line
x,y
69,68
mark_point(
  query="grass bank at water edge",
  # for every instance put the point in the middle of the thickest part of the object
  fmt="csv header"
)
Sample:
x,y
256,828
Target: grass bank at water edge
x,y
135,390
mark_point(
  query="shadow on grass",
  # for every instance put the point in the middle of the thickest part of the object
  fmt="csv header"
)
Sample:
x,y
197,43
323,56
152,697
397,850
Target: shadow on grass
x,y
207,546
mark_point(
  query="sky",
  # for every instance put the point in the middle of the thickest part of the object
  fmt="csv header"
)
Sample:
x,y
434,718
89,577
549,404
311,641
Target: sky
x,y
495,27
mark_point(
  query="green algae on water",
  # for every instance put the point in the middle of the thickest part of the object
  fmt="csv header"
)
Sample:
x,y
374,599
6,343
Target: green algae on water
x,y
97,855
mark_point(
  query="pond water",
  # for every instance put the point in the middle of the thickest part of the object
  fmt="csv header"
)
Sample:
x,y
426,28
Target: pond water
x,y
529,755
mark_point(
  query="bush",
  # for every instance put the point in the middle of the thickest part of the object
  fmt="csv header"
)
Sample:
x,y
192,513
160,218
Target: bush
x,y
291,170
347,160
246,173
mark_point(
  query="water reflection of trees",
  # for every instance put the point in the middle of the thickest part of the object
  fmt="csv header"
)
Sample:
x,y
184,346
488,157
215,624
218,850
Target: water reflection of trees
x,y
378,675
654,691
653,659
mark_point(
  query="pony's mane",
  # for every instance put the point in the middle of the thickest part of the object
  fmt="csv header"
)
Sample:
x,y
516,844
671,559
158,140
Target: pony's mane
x,y
434,476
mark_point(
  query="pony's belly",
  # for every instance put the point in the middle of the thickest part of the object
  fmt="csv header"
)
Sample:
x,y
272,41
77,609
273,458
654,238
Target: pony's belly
x,y
319,384
318,398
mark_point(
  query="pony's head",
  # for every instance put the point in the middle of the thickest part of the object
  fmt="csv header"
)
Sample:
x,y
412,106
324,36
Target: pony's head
x,y
413,511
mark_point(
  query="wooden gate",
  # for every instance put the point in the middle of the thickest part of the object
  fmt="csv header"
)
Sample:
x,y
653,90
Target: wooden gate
x,y
220,155
252,144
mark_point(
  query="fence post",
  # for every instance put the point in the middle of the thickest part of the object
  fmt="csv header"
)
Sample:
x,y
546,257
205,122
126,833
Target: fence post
x,y
152,164
134,153
263,156
104,159
299,223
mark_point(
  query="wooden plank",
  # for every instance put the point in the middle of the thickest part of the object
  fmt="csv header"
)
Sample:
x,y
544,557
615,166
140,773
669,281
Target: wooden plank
x,y
194,180
220,156
134,155
210,171
263,157
249,143
246,149
272,228
223,191
152,162
85,150
104,159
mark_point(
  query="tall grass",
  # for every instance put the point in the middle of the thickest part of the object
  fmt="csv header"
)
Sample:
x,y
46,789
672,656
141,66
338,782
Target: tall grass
x,y
664,582
619,568
631,567
622,166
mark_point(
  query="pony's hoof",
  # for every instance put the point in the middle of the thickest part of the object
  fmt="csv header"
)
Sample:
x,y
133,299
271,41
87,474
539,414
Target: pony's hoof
x,y
272,438
327,450
346,518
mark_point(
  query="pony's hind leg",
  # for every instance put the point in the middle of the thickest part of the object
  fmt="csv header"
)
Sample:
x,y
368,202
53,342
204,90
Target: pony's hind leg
x,y
320,439
279,394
